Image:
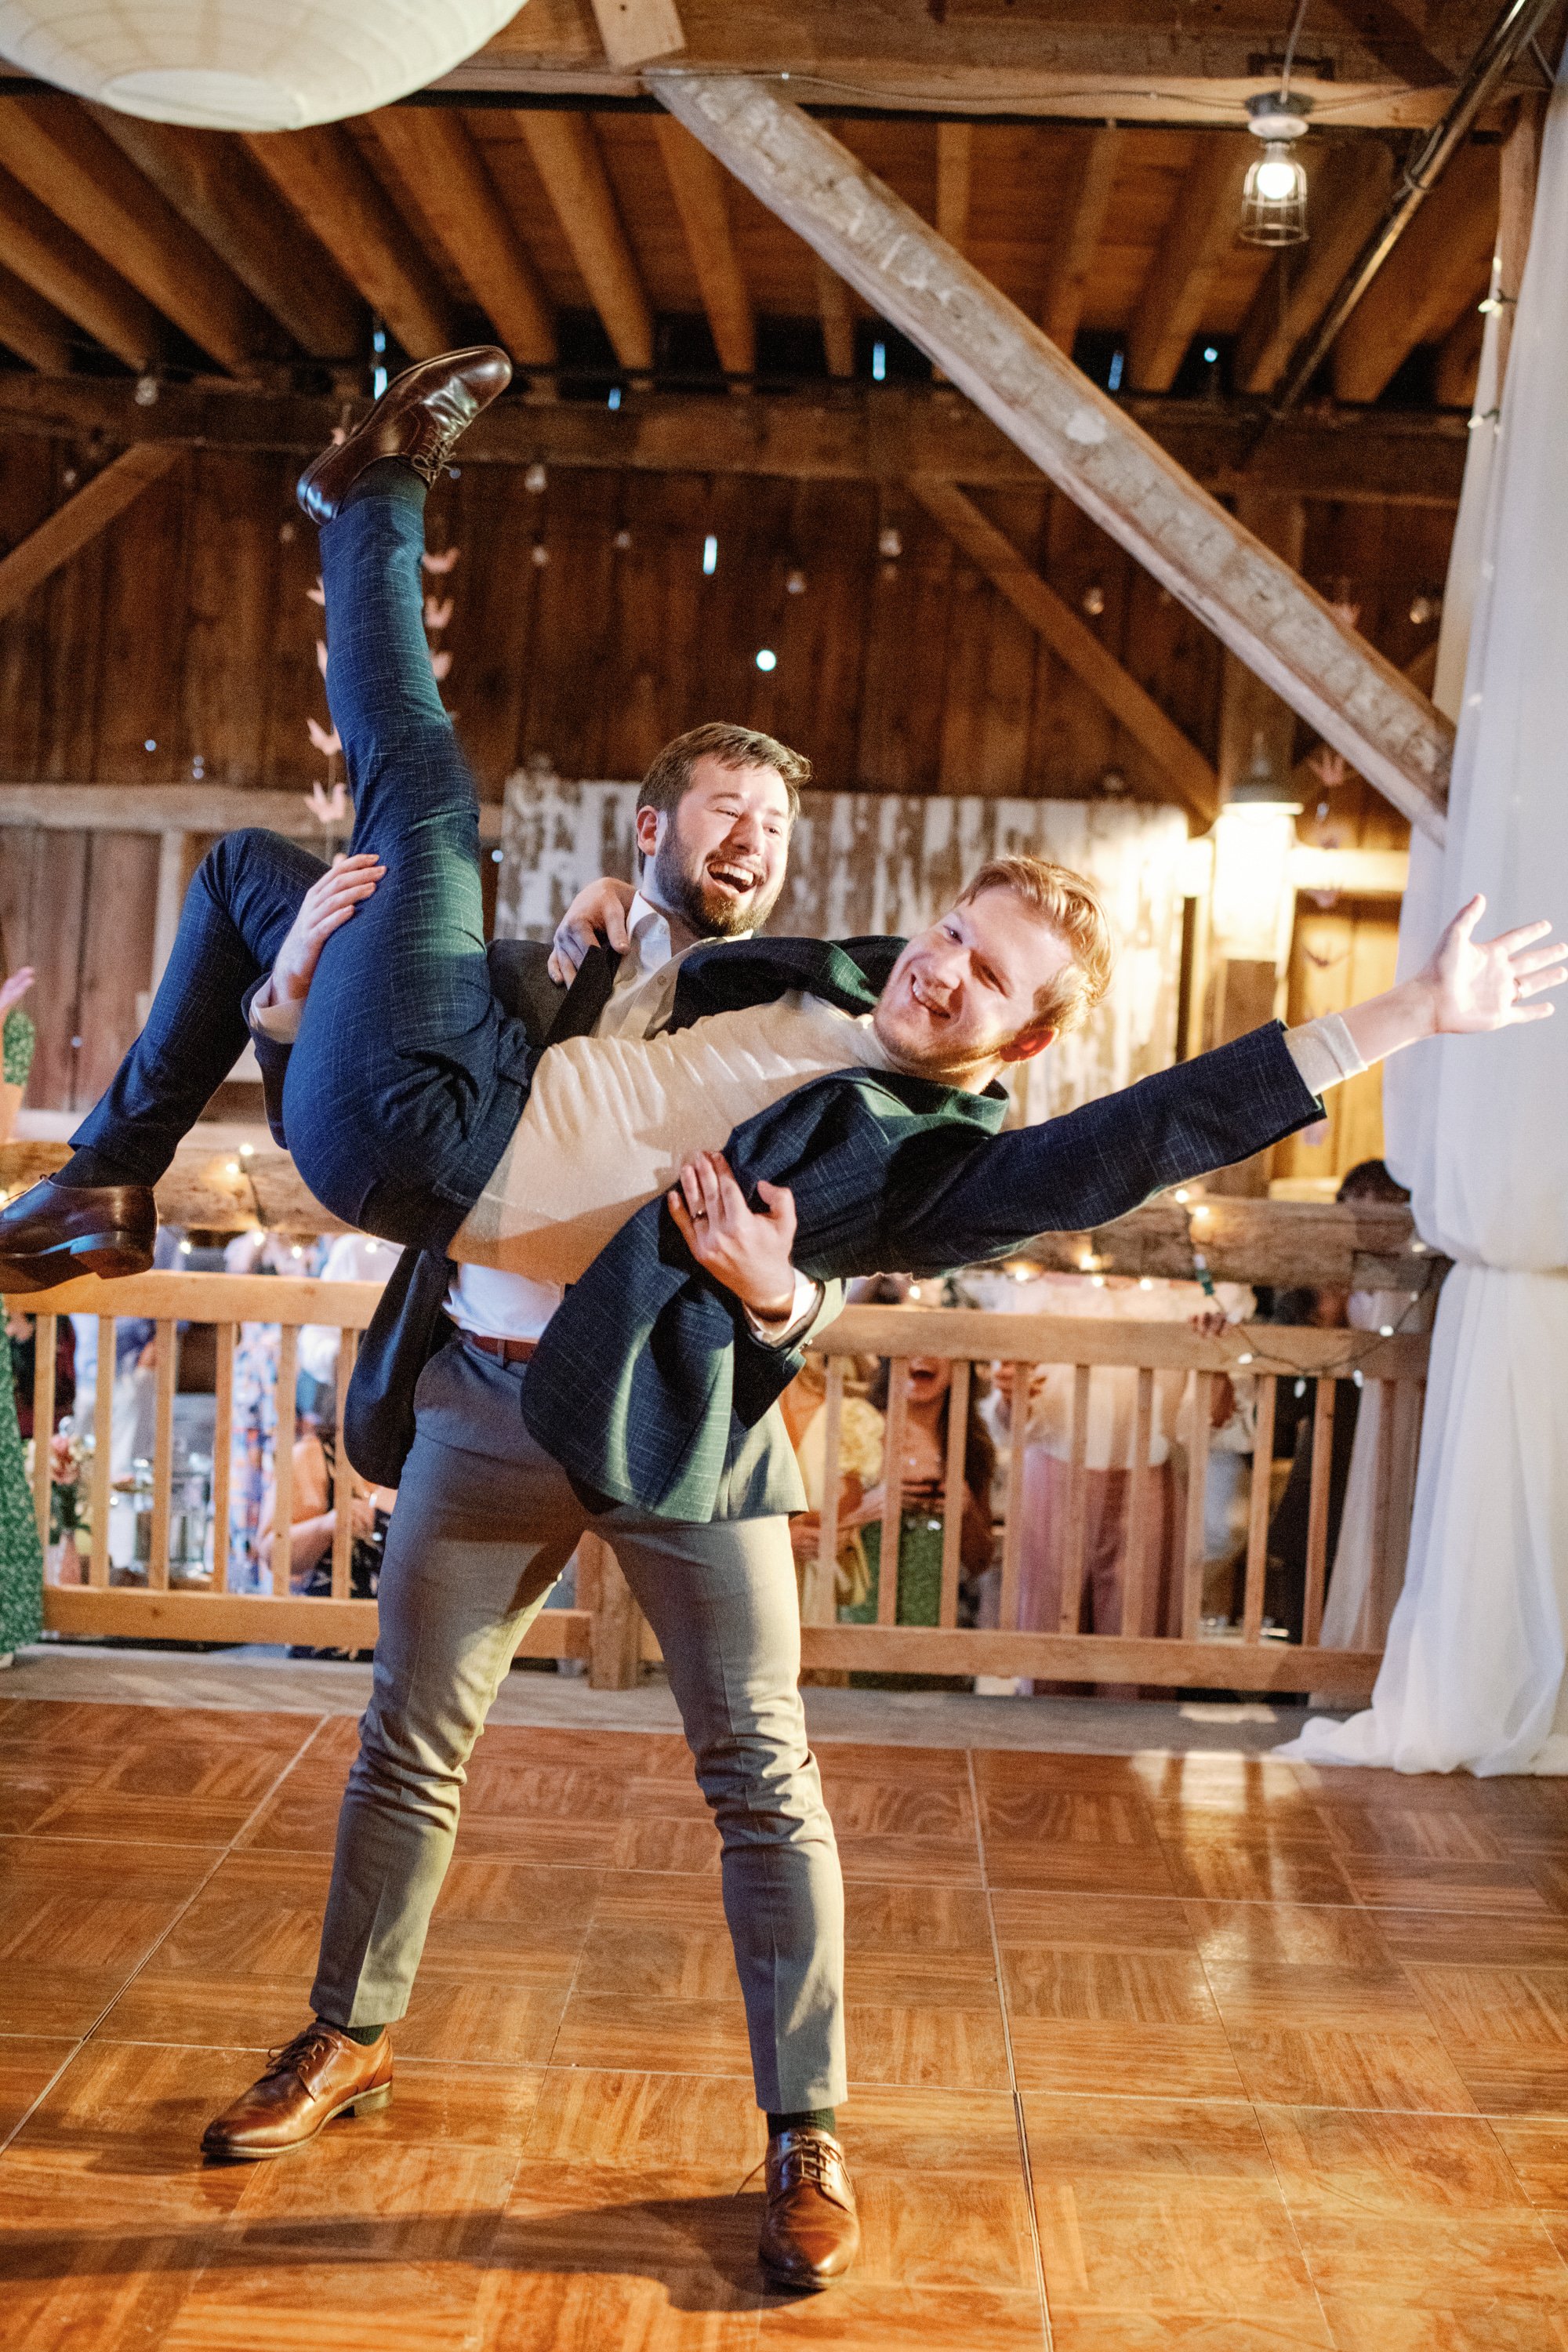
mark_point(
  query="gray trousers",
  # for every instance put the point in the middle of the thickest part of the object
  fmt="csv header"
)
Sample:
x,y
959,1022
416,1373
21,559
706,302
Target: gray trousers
x,y
485,1523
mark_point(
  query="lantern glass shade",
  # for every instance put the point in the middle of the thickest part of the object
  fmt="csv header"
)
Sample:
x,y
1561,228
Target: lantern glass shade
x,y
1274,198
245,65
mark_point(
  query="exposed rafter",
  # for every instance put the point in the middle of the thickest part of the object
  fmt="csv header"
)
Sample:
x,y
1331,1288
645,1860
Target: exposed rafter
x,y
56,150
82,518
1088,446
699,187
68,273
33,328
1078,241
1055,622
324,177
1202,232
566,156
218,190
634,31
436,156
1348,191
1440,264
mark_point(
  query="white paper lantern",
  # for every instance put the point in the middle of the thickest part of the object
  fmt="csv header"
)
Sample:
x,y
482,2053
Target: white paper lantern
x,y
246,65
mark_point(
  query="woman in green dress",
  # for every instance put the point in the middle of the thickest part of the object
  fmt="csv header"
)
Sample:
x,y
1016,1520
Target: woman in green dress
x,y
21,1555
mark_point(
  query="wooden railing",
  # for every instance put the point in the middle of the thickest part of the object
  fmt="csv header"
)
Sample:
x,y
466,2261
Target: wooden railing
x,y
1264,1353
204,1607
603,1627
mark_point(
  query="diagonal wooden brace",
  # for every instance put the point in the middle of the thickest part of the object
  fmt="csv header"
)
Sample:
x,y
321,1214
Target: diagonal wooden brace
x,y
1253,601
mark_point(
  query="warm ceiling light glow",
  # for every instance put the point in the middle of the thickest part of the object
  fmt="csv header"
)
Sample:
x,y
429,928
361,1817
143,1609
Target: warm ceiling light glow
x,y
1274,195
246,65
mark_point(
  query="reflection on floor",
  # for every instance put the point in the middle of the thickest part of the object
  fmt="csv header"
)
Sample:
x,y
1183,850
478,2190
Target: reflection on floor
x,y
1198,2051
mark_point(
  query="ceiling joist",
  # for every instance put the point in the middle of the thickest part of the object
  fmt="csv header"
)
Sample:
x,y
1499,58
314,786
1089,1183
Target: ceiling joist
x,y
55,149
323,176
218,190
566,156
700,188
439,159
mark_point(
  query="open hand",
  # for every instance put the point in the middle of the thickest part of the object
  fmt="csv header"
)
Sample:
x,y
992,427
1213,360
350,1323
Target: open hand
x,y
1480,985
746,1249
324,908
597,913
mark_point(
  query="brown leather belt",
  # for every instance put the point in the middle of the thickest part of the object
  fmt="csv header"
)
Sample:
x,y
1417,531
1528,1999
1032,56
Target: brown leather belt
x,y
510,1351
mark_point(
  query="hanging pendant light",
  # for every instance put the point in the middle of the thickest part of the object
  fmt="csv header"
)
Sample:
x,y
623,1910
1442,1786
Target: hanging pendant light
x,y
246,65
1274,196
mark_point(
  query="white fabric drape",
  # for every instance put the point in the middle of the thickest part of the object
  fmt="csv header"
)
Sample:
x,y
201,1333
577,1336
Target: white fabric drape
x,y
1473,1676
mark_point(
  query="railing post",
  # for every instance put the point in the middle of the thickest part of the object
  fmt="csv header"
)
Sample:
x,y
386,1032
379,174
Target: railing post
x,y
615,1634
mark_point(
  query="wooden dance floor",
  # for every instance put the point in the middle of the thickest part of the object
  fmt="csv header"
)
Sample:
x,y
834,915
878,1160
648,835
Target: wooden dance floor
x,y
1201,2052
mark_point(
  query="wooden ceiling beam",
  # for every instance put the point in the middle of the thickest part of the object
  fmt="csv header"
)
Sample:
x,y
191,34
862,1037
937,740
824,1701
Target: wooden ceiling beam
x,y
1077,58
1061,312
56,150
634,31
33,328
219,191
698,187
323,176
1202,231
68,273
1054,620
838,314
89,511
1441,262
1083,440
566,156
882,433
435,151
1346,194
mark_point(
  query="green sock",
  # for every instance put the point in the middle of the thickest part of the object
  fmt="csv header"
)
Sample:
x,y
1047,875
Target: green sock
x,y
364,2035
802,2119
387,478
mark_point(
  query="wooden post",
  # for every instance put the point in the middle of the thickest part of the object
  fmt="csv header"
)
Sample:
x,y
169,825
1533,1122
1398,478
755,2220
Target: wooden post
x,y
1088,446
614,1640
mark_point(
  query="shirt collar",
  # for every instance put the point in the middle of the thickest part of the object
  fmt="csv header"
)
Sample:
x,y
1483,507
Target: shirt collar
x,y
647,929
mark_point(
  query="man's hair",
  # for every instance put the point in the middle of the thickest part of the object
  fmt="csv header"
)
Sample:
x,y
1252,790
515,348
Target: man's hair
x,y
669,779
1071,908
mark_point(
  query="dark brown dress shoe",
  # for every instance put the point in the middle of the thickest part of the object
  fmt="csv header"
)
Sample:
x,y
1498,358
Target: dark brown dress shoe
x,y
419,418
811,2231
55,1231
317,2076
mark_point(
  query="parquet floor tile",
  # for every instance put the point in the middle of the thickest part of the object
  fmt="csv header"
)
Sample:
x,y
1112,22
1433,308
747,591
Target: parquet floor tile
x,y
27,2063
1289,2050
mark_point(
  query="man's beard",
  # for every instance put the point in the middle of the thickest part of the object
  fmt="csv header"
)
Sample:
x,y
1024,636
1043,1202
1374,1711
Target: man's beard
x,y
712,913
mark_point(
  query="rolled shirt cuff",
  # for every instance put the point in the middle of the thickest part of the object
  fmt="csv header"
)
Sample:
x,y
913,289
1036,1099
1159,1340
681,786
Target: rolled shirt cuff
x,y
803,1306
275,1018
1324,1052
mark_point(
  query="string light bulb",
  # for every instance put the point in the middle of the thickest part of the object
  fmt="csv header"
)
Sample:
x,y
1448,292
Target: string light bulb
x,y
1274,195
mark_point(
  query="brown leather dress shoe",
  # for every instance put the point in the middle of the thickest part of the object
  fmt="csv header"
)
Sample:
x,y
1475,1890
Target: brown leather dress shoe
x,y
419,418
811,2231
54,1231
317,2076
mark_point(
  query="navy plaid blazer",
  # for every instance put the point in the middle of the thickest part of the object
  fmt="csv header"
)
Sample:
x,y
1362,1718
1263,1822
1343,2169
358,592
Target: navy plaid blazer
x,y
639,1388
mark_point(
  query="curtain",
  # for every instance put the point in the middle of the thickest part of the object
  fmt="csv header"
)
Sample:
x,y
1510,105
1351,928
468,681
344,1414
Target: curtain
x,y
1473,1675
